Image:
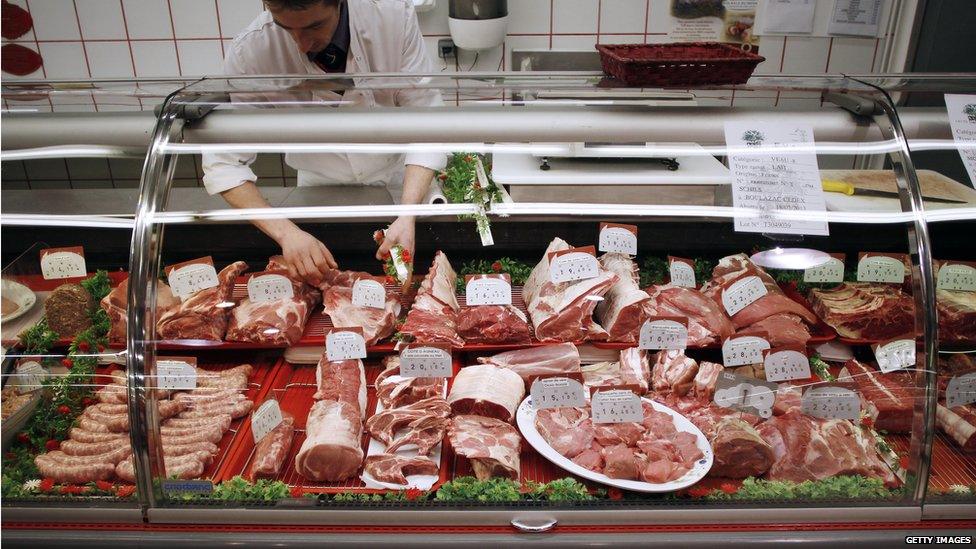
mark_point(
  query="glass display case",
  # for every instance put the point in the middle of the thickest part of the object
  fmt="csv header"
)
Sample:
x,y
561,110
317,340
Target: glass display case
x,y
607,300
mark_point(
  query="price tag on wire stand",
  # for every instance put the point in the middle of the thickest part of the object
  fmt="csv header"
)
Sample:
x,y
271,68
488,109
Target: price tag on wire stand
x,y
833,401
58,263
177,373
557,392
189,277
345,344
895,354
265,419
745,394
874,267
369,293
961,390
481,221
664,332
30,376
744,348
616,406
426,360
488,289
957,275
573,264
786,363
830,272
682,272
742,292
617,238
269,286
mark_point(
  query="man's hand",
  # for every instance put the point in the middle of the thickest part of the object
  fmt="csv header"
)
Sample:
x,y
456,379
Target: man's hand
x,y
306,256
400,232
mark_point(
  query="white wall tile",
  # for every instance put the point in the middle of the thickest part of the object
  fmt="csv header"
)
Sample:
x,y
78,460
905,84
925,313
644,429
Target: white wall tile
x,y
659,16
200,57
81,102
155,58
529,16
621,39
851,55
430,44
64,60
523,43
576,16
101,19
195,19
770,47
585,42
54,20
435,20
148,19
805,55
236,15
623,16
109,59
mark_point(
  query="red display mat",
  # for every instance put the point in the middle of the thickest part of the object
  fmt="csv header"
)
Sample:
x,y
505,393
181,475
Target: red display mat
x,y
950,465
299,386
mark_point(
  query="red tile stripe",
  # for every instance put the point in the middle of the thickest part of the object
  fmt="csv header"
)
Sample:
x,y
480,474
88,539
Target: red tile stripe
x,y
176,46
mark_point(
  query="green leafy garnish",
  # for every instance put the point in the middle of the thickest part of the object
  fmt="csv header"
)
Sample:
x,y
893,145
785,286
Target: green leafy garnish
x,y
518,270
98,285
494,490
655,270
38,339
839,487
821,369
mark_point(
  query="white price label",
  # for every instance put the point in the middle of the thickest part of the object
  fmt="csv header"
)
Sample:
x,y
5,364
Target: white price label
x,y
343,345
30,376
745,394
616,406
367,292
961,390
617,239
956,276
786,365
190,279
175,375
895,355
488,291
831,403
265,419
425,362
739,351
269,287
880,268
742,293
573,266
663,334
557,392
682,274
830,272
63,264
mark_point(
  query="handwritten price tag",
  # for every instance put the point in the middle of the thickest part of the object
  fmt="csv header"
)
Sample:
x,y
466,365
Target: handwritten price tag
x,y
957,276
488,290
669,333
345,344
961,390
616,406
178,374
742,293
830,272
831,402
190,277
682,272
785,364
30,376
426,361
745,394
743,349
618,238
269,287
880,268
58,263
265,419
573,264
895,355
367,292
557,392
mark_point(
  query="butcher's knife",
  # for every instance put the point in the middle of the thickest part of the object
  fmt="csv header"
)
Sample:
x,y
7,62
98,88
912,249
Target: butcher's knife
x,y
849,189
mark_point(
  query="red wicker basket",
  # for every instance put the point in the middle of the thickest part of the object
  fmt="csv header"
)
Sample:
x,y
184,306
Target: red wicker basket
x,y
680,64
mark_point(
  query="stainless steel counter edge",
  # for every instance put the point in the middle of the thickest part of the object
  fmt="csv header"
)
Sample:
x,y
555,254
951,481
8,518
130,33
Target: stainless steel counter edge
x,y
948,511
55,514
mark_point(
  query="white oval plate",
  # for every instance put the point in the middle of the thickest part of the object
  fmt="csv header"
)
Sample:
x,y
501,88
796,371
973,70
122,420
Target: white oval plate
x,y
525,417
19,294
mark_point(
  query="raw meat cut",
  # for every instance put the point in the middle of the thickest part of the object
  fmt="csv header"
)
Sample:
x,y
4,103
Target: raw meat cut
x,y
707,322
68,310
425,422
271,451
441,282
492,446
704,382
342,381
625,307
486,390
433,316
115,304
959,423
186,466
673,372
332,450
376,323
564,311
889,399
274,322
394,391
864,310
493,324
739,450
81,435
424,433
621,462
568,430
783,330
533,362
203,315
74,474
394,469
957,317
335,277
633,368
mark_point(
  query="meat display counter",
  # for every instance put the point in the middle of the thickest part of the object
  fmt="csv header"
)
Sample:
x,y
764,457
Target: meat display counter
x,y
756,342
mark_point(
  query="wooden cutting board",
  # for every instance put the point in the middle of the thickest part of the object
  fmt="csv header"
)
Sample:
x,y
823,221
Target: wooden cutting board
x,y
932,183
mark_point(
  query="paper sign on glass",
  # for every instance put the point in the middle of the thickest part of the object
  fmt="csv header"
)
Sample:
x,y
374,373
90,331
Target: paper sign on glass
x,y
345,344
618,238
880,267
957,275
745,394
962,120
833,401
573,264
189,277
741,293
664,332
30,376
855,18
269,286
488,289
896,354
787,16
58,263
775,178
786,363
265,419
744,348
426,360
830,272
682,272
616,406
557,392
961,390
367,292
177,373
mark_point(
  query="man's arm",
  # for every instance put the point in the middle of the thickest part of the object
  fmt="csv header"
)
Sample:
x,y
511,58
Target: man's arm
x,y
416,183
305,255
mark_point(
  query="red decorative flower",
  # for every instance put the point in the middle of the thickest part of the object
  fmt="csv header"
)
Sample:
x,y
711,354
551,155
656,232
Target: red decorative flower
x,y
728,488
698,491
46,485
22,437
101,348
10,455
413,493
497,266
52,445
104,485
125,491
386,254
67,363
84,346
378,236
442,176
615,494
64,410
87,401
390,280
297,492
903,462
469,158
866,421
405,256
72,489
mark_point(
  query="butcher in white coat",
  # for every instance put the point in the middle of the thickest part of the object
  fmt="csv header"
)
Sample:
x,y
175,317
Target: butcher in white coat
x,y
314,37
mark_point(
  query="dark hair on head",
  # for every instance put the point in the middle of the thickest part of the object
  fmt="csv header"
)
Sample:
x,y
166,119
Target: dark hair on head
x,y
299,4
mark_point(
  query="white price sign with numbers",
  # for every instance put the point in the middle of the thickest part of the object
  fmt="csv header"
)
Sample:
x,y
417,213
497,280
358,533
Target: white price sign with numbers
x,y
831,402
961,390
957,276
682,272
962,120
488,290
58,263
176,373
669,333
367,292
186,279
830,272
269,286
786,364
345,344
745,394
426,361
616,406
265,419
30,376
616,238
895,355
573,264
739,350
880,268
742,293
557,392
